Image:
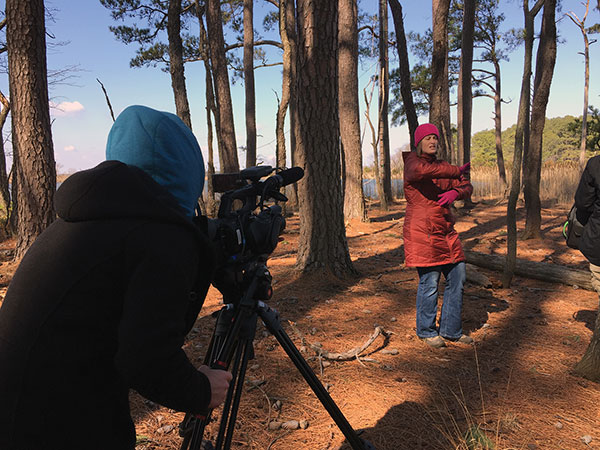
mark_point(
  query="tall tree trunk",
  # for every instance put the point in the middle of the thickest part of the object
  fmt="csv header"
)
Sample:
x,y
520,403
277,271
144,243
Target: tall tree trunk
x,y
285,87
439,106
210,112
521,142
404,69
586,55
33,152
354,200
589,365
249,83
292,50
498,126
532,169
4,185
322,241
384,94
228,154
465,95
176,69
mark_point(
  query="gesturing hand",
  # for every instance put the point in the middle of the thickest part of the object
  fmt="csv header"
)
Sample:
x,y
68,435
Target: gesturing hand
x,y
219,383
448,197
465,168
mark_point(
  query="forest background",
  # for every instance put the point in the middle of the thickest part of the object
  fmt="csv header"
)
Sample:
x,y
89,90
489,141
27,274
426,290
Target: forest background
x,y
332,136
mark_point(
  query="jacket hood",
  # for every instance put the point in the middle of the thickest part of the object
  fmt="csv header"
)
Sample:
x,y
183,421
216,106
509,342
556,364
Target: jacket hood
x,y
113,190
161,145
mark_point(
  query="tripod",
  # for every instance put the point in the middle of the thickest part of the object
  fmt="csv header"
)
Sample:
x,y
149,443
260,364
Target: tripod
x,y
232,343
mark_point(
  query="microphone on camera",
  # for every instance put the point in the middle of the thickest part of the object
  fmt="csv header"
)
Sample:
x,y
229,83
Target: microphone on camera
x,y
288,176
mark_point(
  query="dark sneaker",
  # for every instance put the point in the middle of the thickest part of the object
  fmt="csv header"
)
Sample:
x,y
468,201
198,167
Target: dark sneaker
x,y
434,342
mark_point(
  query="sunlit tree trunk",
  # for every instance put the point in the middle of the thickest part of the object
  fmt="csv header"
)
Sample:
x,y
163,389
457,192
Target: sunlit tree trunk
x,y
498,126
4,186
210,112
354,201
224,109
249,83
285,87
34,177
322,242
290,30
521,142
586,88
439,105
176,68
544,70
465,95
384,94
404,68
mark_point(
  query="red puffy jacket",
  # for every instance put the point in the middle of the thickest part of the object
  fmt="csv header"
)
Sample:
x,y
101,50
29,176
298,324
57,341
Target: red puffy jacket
x,y
429,235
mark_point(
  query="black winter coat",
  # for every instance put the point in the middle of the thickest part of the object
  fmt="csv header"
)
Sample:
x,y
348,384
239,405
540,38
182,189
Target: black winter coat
x,y
587,201
100,304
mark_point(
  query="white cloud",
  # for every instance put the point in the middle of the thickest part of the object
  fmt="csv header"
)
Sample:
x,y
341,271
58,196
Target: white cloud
x,y
69,148
65,108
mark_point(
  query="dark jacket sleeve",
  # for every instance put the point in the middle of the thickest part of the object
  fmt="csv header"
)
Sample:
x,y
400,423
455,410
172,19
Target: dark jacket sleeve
x,y
418,169
150,356
586,195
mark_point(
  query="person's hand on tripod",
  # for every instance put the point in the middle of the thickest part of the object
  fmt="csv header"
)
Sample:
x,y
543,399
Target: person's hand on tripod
x,y
219,383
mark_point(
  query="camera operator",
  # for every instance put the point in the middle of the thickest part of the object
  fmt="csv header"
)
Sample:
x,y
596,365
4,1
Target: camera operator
x,y
104,298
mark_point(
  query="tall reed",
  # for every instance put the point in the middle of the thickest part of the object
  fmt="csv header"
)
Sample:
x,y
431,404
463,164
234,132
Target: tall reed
x,y
558,182
557,185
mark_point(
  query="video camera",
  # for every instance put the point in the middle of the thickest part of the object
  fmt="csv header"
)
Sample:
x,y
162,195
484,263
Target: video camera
x,y
242,234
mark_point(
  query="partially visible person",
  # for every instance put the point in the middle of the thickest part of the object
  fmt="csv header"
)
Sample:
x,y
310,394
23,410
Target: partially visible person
x,y
102,301
587,202
430,242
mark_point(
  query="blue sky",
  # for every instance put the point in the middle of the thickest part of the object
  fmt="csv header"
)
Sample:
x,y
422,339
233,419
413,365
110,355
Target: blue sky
x,y
82,121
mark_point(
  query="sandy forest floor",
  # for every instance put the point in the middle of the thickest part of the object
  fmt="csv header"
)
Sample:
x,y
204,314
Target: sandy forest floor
x,y
513,389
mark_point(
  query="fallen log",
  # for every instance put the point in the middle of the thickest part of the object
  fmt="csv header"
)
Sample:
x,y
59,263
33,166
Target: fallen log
x,y
476,277
552,273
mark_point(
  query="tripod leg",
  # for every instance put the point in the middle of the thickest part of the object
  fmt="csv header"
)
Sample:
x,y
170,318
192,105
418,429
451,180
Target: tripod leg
x,y
228,400
271,321
238,393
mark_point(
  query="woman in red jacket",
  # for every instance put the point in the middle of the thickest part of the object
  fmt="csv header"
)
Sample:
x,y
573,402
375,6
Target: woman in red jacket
x,y
430,242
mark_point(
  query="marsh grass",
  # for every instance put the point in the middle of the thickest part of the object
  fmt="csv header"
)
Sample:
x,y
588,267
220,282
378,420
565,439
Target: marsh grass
x,y
557,185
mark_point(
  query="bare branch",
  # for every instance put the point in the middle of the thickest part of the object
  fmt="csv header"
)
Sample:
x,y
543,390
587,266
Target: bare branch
x,y
107,100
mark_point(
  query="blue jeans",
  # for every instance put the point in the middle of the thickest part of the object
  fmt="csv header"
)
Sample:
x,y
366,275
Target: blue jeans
x,y
427,300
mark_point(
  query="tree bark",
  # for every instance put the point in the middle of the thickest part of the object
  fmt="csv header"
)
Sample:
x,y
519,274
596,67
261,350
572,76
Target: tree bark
x,y
322,241
498,125
586,56
404,68
532,169
249,83
354,200
33,153
4,185
465,95
439,106
551,273
384,94
589,365
521,143
228,153
176,68
210,112
285,87
290,30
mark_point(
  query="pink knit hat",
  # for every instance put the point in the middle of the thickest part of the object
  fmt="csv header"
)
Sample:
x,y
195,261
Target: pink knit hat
x,y
425,130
